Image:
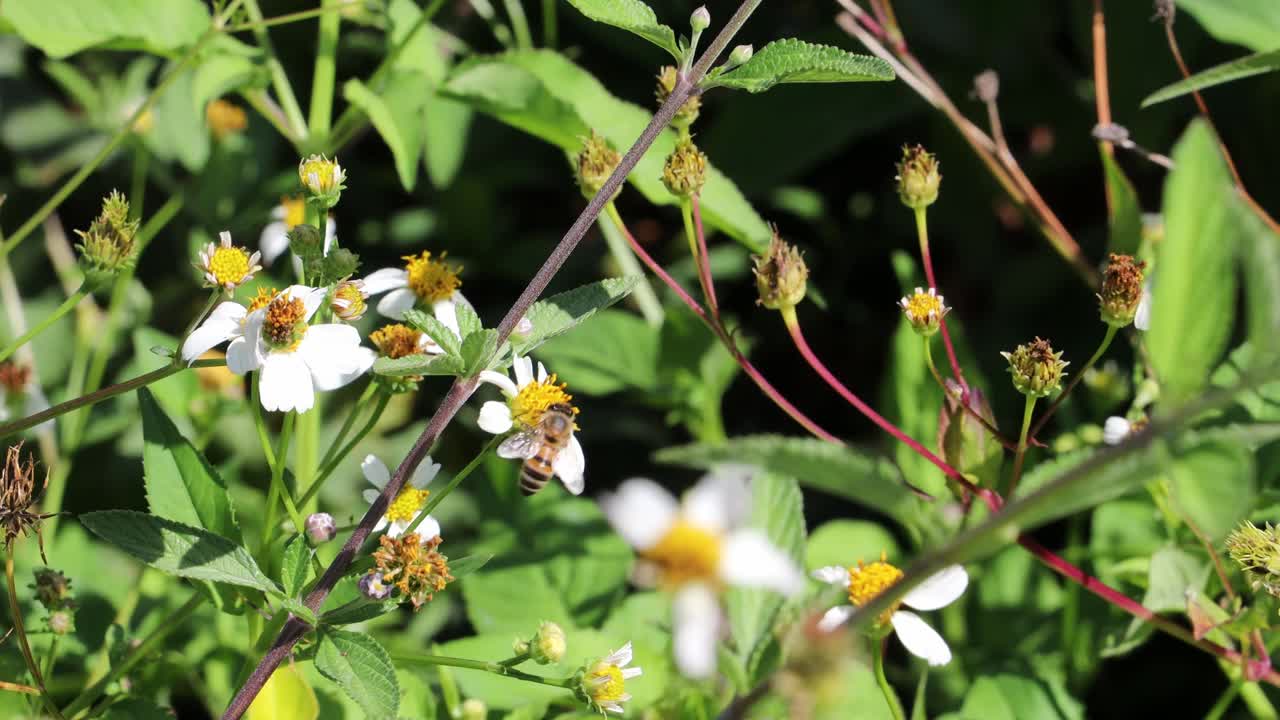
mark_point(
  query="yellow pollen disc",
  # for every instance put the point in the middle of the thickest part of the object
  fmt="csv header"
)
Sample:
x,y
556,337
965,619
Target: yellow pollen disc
x,y
607,683
406,504
229,265
295,211
921,304
686,553
533,400
868,581
396,341
322,170
262,299
283,327
431,280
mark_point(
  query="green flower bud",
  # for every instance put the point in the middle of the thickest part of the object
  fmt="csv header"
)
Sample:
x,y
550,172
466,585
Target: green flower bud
x,y
323,179
781,275
53,589
918,177
1257,552
740,54
1036,369
685,171
1121,291
700,19
306,242
688,112
548,644
338,264
108,247
594,164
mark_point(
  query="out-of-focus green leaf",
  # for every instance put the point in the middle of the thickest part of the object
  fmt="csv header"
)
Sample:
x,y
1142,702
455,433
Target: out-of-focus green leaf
x,y
612,351
1248,66
1173,572
489,605
560,313
1193,299
633,16
1005,696
1259,248
1252,23
66,27
1111,481
178,129
285,696
1125,222
796,61
357,663
544,94
419,365
1213,485
228,65
843,542
394,113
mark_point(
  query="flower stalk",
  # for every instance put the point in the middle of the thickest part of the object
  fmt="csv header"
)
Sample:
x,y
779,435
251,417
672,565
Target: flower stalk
x,y
890,697
19,629
67,306
926,259
496,668
1093,360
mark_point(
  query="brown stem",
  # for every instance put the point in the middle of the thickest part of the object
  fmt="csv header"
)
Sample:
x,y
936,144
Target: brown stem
x,y
1101,87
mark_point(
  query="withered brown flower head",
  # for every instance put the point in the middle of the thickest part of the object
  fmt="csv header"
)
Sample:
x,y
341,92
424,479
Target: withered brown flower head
x,y
781,275
413,567
1121,291
14,377
18,496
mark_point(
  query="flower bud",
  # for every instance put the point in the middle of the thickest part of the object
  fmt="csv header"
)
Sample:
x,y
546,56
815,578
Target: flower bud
x,y
520,646
685,171
53,589
523,327
548,644
1036,369
322,178
918,177
61,622
781,275
594,164
688,112
348,303
474,709
306,242
924,310
1121,292
740,55
1257,552
320,528
700,19
338,264
107,247
372,587
964,442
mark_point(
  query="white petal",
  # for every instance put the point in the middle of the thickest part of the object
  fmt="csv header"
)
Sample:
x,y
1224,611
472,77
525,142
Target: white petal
x,y
1115,430
696,617
380,281
570,465
286,384
832,575
748,558
311,297
835,617
628,673
333,355
382,521
273,241
641,511
369,496
716,502
375,471
938,590
394,303
495,417
240,356
446,312
221,325
330,234
522,367
424,473
919,639
428,528
620,657
542,373
503,382
1142,319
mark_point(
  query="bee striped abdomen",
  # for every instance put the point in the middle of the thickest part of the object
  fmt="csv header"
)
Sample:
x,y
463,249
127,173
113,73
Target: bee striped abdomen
x,y
536,472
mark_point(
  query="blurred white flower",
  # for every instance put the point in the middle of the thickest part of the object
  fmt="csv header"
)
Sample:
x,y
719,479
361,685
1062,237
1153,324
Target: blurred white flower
x,y
1115,430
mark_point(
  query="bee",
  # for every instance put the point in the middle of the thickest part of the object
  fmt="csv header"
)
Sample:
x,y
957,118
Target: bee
x,y
543,450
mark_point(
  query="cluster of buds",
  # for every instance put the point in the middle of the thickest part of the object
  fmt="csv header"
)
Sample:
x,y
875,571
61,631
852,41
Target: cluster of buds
x,y
781,275
918,177
18,497
107,247
1257,552
53,591
546,647
688,113
412,566
323,179
1121,292
685,171
594,164
1036,369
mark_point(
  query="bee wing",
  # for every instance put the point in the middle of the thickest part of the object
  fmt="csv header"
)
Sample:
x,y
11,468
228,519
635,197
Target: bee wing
x,y
520,446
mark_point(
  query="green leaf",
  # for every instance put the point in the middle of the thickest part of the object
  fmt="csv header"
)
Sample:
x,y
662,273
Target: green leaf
x,y
841,471
1252,23
443,336
228,65
489,605
180,132
633,16
477,349
777,508
285,696
1014,697
560,313
463,567
419,365
468,320
66,27
546,95
394,113
359,665
1213,484
612,351
1125,221
1173,572
1248,66
178,549
295,566
1260,260
1192,303
841,542
299,610
1108,482
181,485
796,61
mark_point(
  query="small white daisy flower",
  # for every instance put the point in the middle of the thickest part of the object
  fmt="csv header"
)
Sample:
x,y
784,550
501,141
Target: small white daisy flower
x,y
406,506
422,282
1115,430
604,682
865,582
20,393
295,358
291,212
227,266
695,547
527,400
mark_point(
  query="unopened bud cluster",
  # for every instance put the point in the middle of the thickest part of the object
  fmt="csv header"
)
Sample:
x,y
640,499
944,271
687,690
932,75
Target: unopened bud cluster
x,y
53,591
546,647
594,164
781,275
1257,552
685,171
918,177
1121,292
108,247
1036,369
688,113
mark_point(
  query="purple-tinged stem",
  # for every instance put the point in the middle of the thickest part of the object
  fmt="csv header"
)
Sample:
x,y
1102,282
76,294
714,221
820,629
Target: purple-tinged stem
x,y
704,259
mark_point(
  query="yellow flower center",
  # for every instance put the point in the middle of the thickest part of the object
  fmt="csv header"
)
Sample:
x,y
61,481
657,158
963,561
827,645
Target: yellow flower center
x,y
284,325
866,582
348,300
533,400
317,174
396,341
431,280
921,304
262,299
229,265
408,502
606,683
686,553
295,211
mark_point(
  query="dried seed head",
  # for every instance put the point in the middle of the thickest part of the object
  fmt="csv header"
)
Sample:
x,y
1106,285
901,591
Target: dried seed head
x,y
594,164
107,247
411,565
1121,291
918,177
685,171
1165,11
53,589
18,497
781,275
1036,369
688,113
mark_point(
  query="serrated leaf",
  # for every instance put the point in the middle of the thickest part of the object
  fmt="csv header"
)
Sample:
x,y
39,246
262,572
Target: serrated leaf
x,y
1259,254
443,336
468,320
394,113
839,470
295,566
285,696
418,365
181,485
178,549
477,349
299,610
1248,66
1213,485
560,313
633,16
797,61
66,27
362,668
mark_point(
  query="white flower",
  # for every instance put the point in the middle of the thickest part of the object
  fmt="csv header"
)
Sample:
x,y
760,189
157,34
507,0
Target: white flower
x,y
865,582
528,399
1115,430
406,506
20,393
696,546
290,213
422,281
295,358
227,266
604,682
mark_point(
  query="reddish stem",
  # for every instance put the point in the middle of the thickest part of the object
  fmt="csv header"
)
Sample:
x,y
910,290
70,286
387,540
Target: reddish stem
x,y
926,259
704,260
